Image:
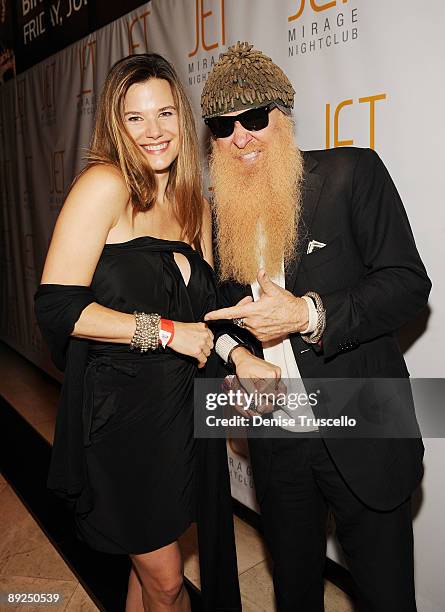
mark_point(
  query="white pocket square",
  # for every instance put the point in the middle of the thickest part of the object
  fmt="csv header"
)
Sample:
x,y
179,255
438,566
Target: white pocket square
x,y
314,245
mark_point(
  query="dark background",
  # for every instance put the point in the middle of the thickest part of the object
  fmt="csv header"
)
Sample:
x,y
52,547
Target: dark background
x,y
90,16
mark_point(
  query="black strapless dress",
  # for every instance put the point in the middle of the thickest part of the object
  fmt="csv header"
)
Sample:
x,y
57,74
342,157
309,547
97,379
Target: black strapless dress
x,y
138,408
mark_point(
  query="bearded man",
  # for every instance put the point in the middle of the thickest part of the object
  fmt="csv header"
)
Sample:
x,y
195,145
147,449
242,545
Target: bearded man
x,y
319,267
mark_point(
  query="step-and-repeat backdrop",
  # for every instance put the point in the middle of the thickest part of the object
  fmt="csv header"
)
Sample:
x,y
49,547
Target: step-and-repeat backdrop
x,y
368,74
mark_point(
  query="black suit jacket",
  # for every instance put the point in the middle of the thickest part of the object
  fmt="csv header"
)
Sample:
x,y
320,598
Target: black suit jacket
x,y
372,281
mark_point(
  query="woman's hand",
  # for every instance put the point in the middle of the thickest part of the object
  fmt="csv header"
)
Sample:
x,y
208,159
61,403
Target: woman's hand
x,y
194,340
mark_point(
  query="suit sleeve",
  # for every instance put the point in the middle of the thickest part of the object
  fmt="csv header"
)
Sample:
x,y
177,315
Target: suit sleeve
x,y
395,286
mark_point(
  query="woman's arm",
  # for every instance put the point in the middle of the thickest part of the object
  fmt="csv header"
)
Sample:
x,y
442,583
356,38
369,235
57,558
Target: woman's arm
x,y
92,208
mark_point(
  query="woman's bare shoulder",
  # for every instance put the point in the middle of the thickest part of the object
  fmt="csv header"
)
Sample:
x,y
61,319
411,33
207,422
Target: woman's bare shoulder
x,y
99,187
206,212
103,178
206,240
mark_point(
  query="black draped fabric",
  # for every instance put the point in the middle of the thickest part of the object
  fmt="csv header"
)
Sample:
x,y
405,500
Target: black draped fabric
x,y
57,309
124,451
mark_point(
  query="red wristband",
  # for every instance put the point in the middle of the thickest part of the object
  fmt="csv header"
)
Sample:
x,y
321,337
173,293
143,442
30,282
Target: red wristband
x,y
166,332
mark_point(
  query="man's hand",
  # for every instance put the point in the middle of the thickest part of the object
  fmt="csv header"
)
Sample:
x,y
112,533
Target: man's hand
x,y
256,376
249,367
276,314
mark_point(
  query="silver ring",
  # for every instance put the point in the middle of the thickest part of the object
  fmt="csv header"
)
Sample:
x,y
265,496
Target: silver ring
x,y
253,407
239,322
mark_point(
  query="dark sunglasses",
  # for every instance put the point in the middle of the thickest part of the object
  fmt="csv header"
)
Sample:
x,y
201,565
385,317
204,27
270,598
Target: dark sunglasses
x,y
253,120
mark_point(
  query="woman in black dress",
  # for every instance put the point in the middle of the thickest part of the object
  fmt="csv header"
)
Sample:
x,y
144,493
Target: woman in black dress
x,y
134,236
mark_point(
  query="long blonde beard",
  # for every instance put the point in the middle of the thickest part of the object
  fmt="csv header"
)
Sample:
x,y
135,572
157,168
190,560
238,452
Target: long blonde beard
x,y
258,198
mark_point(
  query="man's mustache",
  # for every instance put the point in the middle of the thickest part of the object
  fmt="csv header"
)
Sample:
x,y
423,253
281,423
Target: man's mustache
x,y
249,148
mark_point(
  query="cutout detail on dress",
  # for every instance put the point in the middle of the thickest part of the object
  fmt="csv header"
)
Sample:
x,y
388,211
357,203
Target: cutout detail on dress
x,y
184,266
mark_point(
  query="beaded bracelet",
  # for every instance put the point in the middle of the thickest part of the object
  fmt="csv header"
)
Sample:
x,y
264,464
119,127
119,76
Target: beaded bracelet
x,y
146,335
315,336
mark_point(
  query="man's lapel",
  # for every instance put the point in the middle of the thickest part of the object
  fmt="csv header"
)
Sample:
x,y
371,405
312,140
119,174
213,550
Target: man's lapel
x,y
311,190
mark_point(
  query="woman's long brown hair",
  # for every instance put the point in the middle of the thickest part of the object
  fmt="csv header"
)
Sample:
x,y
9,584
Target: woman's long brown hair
x,y
112,144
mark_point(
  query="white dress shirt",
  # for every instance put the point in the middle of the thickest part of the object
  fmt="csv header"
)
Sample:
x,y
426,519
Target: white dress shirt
x,y
280,353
